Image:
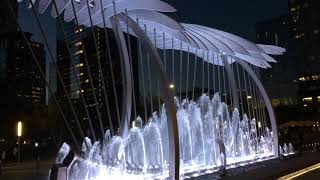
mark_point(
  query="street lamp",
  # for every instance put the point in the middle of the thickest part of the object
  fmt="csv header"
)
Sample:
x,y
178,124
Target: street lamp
x,y
19,129
19,133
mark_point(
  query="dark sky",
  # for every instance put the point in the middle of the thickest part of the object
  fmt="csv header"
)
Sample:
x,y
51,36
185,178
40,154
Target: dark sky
x,y
235,16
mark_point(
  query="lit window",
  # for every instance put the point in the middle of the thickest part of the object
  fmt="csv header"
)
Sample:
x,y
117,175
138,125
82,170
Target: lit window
x,y
81,74
78,43
78,52
87,80
79,30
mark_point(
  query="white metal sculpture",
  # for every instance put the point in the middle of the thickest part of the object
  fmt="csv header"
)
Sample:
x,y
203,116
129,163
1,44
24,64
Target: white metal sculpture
x,y
201,135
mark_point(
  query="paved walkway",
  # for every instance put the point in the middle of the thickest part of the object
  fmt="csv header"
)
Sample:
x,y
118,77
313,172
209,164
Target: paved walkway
x,y
26,171
272,169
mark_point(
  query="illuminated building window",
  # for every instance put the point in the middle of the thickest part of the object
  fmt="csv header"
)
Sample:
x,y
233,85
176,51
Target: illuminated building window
x,y
79,30
78,43
87,80
302,79
81,74
79,65
78,52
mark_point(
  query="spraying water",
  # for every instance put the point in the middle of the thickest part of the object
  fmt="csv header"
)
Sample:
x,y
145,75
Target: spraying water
x,y
144,152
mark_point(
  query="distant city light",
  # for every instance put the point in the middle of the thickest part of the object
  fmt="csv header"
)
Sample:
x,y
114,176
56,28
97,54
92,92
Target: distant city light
x,y
307,99
171,86
19,129
259,124
305,105
36,144
249,97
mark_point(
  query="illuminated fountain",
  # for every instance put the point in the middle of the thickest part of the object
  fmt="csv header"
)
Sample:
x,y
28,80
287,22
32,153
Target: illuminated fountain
x,y
187,138
144,152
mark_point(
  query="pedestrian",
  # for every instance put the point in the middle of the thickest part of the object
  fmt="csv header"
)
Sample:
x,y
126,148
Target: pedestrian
x,y
14,153
3,155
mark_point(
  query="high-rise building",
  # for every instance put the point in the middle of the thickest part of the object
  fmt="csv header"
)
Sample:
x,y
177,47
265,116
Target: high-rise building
x,y
305,26
22,89
85,50
278,80
18,68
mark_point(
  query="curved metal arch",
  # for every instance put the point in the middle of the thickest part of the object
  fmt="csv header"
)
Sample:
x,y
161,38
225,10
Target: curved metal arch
x,y
173,134
266,100
233,84
127,85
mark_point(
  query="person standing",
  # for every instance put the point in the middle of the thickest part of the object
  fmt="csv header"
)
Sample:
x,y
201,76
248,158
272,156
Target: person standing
x,y
3,157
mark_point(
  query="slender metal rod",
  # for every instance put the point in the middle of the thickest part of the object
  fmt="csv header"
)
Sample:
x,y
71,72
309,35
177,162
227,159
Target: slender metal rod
x,y
149,75
246,89
143,81
43,75
208,72
173,89
75,72
224,86
58,71
187,75
180,76
239,87
219,81
194,73
254,114
110,67
164,52
158,86
131,69
214,74
202,72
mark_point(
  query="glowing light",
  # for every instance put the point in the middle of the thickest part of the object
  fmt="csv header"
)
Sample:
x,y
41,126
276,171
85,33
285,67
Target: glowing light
x,y
36,144
249,97
171,86
259,124
307,99
19,129
300,172
305,105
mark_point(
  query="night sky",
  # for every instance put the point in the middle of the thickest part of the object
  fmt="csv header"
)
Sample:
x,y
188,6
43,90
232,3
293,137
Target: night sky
x,y
235,16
